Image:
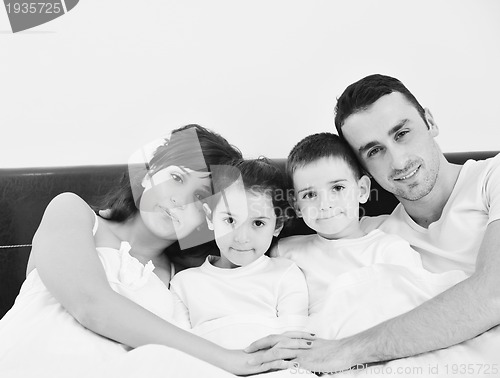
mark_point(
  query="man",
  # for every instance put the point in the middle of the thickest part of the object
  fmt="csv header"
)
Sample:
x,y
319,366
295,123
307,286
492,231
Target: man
x,y
449,213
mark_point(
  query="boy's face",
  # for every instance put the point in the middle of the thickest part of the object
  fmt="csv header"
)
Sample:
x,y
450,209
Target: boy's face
x,y
327,196
244,224
395,145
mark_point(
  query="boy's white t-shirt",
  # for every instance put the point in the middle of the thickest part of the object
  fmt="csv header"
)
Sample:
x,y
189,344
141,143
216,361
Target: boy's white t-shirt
x,y
322,260
453,241
234,307
355,284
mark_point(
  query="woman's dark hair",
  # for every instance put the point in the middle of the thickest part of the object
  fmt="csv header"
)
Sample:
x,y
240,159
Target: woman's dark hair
x,y
181,149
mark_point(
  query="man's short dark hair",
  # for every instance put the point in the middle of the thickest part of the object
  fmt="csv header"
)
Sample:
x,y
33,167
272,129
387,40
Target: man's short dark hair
x,y
363,93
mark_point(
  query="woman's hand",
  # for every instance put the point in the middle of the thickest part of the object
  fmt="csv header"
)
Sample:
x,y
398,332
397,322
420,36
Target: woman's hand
x,y
276,352
239,362
304,352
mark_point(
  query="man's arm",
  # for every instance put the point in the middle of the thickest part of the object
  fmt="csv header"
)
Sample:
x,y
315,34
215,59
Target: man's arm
x,y
460,313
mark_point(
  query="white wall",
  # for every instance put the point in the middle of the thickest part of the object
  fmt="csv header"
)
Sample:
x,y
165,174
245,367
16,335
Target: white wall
x,y
92,86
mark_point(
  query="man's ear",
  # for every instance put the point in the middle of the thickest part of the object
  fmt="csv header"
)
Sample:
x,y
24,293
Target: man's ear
x,y
431,123
208,216
293,203
364,185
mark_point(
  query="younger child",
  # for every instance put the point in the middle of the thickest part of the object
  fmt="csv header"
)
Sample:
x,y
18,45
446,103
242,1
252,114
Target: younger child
x,y
355,280
242,295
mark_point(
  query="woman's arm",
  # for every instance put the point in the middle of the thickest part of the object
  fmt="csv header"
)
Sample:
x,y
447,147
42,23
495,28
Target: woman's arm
x,y
65,257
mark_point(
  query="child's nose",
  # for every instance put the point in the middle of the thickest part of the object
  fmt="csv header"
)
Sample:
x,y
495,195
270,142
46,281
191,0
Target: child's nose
x,y
241,235
326,201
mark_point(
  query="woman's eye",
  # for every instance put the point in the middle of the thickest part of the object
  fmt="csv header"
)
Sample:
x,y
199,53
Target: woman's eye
x,y
200,196
338,188
259,223
176,177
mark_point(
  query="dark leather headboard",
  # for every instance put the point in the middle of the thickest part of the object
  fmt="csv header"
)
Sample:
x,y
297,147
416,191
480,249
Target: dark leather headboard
x,y
25,192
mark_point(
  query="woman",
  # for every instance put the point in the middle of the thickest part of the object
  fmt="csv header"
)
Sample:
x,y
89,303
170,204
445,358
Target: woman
x,y
97,285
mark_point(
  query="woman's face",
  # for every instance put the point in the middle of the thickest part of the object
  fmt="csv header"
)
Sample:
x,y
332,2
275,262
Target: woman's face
x,y
170,205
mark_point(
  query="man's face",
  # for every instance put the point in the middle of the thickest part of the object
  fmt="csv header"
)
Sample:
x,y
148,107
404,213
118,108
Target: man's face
x,y
395,146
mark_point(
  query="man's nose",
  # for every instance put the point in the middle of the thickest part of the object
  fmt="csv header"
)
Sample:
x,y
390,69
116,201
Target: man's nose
x,y
399,157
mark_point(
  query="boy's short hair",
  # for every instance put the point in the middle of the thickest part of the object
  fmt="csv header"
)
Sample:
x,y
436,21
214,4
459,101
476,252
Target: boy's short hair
x,y
258,175
318,146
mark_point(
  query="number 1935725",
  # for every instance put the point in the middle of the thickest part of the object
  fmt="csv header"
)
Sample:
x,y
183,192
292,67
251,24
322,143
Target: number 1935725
x,y
32,8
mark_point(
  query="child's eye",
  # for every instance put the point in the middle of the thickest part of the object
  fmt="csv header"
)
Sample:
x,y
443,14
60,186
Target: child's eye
x,y
176,177
259,223
338,188
309,195
229,220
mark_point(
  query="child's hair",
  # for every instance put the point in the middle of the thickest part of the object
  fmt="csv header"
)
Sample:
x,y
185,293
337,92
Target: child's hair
x,y
257,175
318,146
178,150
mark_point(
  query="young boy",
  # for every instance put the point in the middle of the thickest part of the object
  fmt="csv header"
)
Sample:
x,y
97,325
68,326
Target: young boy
x,y
242,295
355,280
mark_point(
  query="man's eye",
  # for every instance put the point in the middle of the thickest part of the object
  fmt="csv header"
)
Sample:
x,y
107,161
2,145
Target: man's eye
x,y
259,223
374,151
401,134
176,177
229,220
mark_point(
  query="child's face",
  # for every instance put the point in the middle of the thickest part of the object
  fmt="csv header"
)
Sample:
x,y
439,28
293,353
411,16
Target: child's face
x,y
244,223
327,196
170,204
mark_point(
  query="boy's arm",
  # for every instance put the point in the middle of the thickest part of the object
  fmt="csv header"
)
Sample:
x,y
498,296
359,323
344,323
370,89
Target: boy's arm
x,y
460,313
293,297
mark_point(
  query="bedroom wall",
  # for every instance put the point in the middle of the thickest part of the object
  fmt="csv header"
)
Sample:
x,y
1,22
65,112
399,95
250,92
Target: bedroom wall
x,y
92,86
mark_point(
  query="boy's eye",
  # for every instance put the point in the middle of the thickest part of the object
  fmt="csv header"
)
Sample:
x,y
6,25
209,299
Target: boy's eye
x,y
176,177
308,195
259,223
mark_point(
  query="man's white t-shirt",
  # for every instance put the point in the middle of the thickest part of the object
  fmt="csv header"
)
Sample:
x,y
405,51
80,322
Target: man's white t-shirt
x,y
453,241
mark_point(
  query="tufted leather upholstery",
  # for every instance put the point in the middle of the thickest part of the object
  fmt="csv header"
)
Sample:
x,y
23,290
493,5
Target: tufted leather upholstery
x,y
25,192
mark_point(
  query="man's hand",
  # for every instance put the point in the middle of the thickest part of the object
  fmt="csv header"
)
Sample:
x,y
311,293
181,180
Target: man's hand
x,y
307,351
